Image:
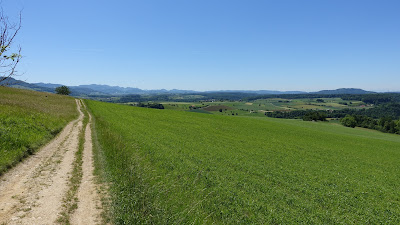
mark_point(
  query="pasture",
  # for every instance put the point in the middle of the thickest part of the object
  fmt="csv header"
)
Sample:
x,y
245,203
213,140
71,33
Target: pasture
x,y
176,167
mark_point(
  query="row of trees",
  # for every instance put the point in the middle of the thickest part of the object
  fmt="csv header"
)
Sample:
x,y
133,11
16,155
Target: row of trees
x,y
384,124
306,115
379,98
149,105
315,116
384,117
384,110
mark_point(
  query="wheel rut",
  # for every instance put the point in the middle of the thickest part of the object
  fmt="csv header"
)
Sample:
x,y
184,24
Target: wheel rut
x,y
33,192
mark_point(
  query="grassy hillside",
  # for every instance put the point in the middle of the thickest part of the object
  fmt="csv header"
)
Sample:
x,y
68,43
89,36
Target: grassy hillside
x,y
28,119
167,166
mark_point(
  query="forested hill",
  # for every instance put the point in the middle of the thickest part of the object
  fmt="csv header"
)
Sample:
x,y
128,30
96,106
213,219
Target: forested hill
x,y
343,91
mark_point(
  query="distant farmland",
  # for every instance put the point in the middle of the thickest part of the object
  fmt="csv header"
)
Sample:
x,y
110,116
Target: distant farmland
x,y
175,167
217,107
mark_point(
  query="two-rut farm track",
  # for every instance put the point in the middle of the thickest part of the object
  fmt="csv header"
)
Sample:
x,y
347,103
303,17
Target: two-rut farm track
x,y
34,191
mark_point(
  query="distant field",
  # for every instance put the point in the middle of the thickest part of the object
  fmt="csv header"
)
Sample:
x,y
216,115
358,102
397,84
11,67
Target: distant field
x,y
28,119
217,108
260,106
174,167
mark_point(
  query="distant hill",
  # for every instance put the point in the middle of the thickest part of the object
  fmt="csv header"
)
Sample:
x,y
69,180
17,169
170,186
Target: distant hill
x,y
263,92
48,85
111,90
96,89
24,85
344,91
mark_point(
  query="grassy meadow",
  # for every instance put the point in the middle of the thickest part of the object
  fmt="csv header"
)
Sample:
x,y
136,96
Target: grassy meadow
x,y
176,167
29,119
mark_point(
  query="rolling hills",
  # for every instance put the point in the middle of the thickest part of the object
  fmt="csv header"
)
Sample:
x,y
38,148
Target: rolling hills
x,y
172,166
96,89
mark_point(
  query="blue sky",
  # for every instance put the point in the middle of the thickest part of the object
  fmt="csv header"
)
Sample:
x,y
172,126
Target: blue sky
x,y
211,44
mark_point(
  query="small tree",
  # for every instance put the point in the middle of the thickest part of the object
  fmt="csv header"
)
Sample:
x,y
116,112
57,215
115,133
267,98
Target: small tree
x,y
63,90
348,121
8,60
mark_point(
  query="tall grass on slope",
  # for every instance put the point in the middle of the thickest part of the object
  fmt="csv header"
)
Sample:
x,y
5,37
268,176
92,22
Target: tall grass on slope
x,y
171,167
29,119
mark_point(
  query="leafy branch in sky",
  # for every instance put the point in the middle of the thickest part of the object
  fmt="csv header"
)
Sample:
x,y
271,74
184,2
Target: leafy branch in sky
x,y
9,57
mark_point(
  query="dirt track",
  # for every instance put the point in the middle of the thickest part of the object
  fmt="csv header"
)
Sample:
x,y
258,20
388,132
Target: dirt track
x,y
33,192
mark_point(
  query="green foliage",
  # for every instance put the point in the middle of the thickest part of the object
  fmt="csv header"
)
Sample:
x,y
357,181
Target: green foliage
x,y
384,124
314,116
150,105
174,167
384,110
349,121
29,119
63,90
12,56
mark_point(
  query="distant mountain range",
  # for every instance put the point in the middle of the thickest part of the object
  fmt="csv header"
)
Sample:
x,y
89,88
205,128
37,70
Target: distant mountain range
x,y
96,89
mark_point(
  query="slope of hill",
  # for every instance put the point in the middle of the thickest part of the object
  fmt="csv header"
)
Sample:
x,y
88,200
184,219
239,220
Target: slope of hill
x,y
111,90
28,119
81,90
24,85
47,85
172,167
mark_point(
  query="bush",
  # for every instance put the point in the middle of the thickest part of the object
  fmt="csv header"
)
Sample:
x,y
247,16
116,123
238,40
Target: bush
x,y
348,121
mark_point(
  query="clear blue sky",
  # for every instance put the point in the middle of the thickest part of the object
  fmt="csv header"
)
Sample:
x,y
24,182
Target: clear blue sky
x,y
212,44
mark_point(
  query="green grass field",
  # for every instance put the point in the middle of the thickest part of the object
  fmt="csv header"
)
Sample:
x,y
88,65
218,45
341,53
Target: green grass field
x,y
29,119
175,167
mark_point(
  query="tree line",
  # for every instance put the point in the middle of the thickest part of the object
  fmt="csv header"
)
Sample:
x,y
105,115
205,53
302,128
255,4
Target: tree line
x,y
383,117
149,105
384,110
384,124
